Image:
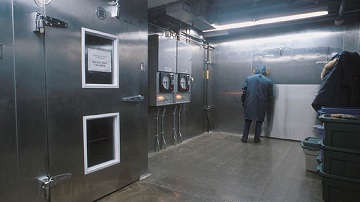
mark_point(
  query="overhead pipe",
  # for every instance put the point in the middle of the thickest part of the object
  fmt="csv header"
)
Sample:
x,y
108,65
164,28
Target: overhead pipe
x,y
340,19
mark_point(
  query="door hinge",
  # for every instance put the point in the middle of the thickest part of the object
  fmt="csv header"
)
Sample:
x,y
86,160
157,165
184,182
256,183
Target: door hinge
x,y
45,183
39,21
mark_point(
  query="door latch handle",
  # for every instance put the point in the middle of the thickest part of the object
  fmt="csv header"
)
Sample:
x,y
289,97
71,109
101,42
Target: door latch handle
x,y
40,20
45,183
53,22
136,98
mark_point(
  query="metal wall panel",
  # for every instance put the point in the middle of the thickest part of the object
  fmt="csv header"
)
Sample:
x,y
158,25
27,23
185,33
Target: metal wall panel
x,y
294,57
166,54
8,138
184,58
194,112
30,100
291,116
142,44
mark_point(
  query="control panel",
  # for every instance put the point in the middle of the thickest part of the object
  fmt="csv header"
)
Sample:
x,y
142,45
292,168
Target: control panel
x,y
183,72
162,69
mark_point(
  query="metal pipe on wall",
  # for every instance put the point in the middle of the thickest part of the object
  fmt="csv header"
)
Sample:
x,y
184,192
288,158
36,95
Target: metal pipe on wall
x,y
157,142
207,91
174,125
163,128
179,120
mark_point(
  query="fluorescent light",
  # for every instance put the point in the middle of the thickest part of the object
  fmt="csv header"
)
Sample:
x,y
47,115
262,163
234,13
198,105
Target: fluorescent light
x,y
268,21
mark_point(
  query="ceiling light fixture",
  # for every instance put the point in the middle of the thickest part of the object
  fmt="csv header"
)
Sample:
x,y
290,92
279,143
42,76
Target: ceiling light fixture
x,y
268,21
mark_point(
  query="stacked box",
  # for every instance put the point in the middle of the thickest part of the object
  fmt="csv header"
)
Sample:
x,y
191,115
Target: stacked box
x,y
341,133
339,189
341,159
341,162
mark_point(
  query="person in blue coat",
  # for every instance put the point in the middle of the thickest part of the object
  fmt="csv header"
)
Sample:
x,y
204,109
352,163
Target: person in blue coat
x,y
256,92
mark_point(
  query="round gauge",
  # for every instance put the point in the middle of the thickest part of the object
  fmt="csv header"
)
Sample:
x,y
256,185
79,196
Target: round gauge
x,y
183,82
166,82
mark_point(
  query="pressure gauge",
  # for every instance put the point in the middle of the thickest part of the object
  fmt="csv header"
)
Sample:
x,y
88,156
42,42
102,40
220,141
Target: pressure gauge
x,y
184,82
166,82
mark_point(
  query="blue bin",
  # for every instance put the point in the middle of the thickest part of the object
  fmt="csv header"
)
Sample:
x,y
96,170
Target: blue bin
x,y
339,110
321,131
311,147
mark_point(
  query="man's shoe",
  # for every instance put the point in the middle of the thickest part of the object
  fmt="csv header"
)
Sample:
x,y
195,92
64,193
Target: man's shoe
x,y
257,140
244,139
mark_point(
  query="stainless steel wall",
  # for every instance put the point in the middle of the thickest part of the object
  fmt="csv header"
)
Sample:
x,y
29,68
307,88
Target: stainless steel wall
x,y
294,56
8,137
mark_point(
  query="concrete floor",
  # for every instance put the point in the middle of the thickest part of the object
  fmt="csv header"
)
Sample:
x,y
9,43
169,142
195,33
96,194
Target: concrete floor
x,y
218,167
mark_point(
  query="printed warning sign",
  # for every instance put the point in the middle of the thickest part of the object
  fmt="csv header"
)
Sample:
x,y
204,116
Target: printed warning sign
x,y
99,60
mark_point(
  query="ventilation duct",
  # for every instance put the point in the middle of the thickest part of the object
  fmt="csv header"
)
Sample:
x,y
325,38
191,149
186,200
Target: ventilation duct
x,y
198,14
155,3
340,19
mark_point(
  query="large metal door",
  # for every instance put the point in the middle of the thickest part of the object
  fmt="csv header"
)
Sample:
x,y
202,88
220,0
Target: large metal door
x,y
94,65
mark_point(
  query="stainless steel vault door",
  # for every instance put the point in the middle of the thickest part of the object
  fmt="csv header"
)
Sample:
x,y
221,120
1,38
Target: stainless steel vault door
x,y
92,63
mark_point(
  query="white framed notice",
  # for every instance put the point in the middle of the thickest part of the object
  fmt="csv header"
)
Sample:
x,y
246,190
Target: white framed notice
x,y
100,64
99,60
